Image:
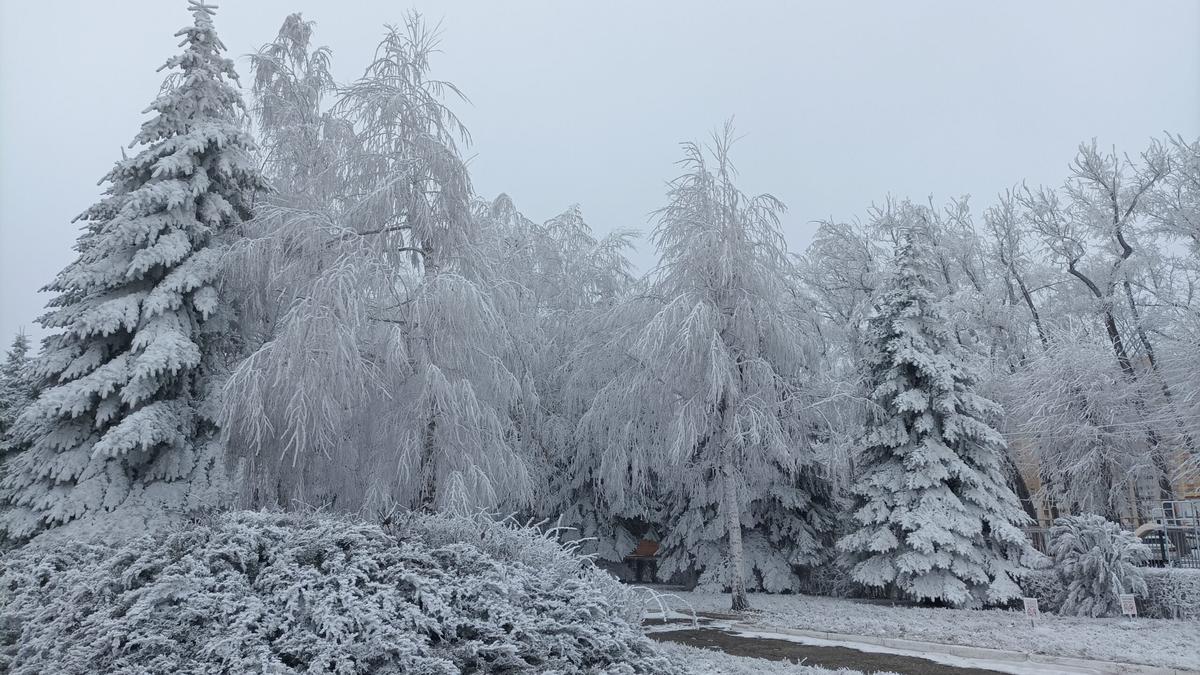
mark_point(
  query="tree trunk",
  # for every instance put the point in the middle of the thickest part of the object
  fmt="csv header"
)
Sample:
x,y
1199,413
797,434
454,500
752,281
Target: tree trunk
x,y
1033,312
733,523
1106,484
427,497
1017,481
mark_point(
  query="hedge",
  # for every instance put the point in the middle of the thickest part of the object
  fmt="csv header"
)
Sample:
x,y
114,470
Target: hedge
x,y
1172,592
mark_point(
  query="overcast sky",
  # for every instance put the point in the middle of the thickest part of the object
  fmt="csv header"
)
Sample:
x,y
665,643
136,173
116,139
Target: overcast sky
x,y
840,104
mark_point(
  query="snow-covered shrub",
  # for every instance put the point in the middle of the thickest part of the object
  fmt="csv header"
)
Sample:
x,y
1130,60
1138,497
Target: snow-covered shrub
x,y
1046,586
249,592
1172,593
1097,561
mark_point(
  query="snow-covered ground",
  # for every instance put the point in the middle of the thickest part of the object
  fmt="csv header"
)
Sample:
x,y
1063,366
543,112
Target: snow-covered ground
x,y
1156,642
696,661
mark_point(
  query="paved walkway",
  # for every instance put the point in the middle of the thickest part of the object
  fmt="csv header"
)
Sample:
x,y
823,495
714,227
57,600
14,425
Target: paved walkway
x,y
828,657
872,654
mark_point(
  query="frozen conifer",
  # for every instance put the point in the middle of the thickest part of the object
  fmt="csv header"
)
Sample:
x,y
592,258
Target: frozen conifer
x,y
119,421
16,386
935,518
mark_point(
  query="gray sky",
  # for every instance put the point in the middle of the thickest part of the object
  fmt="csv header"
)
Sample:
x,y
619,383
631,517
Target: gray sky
x,y
840,103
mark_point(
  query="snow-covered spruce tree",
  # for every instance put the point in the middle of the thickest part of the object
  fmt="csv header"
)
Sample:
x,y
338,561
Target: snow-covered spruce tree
x,y
16,393
16,386
1097,561
702,407
935,519
120,420
380,369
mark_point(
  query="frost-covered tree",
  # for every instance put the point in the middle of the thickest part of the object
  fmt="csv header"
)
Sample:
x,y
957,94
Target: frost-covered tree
x,y
934,516
702,404
380,368
558,278
1093,227
16,385
836,278
1097,561
1170,284
1175,200
16,393
120,421
839,275
1077,418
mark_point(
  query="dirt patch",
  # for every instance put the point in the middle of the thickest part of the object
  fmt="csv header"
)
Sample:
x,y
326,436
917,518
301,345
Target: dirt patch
x,y
828,657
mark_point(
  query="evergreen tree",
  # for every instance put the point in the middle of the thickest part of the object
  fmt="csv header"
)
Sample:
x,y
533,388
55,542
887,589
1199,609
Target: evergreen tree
x,y
16,387
119,421
935,518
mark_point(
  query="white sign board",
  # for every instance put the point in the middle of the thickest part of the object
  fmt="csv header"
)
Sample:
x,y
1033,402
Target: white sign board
x,y
1128,604
1031,607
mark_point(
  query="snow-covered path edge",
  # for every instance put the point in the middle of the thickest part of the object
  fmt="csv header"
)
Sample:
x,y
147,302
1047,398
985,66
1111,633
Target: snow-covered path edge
x,y
1162,643
988,658
1018,663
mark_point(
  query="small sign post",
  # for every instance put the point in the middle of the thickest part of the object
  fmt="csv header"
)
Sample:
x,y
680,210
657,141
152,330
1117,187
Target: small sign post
x,y
1128,604
1031,609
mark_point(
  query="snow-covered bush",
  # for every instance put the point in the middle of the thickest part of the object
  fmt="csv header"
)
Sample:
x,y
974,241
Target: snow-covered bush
x,y
1097,561
1171,593
250,592
1046,586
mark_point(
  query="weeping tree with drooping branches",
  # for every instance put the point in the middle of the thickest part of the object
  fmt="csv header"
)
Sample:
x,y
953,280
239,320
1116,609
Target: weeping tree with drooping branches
x,y
555,280
380,370
701,408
